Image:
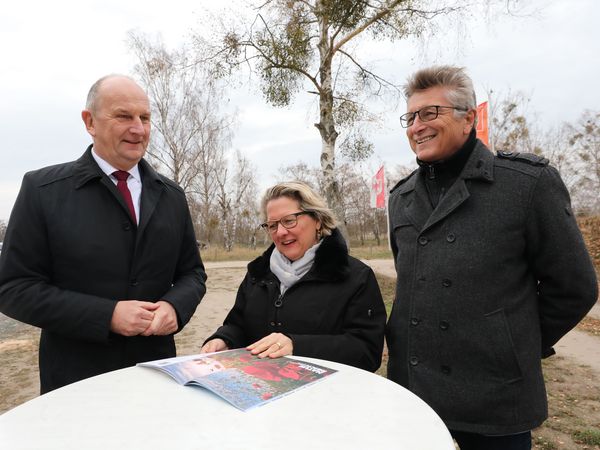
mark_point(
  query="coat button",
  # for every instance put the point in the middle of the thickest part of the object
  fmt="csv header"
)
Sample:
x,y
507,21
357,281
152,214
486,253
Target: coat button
x,y
423,240
278,324
414,321
451,237
414,360
446,282
134,282
446,370
126,226
444,325
272,324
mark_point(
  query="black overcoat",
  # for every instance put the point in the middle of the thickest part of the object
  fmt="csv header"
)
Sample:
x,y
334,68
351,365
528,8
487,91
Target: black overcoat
x,y
334,312
487,283
72,250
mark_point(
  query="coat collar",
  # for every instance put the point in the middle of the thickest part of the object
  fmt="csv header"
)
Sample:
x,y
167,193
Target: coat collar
x,y
331,260
87,170
479,166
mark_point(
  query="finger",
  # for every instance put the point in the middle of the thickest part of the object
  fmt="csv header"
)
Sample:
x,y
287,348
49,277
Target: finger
x,y
259,348
149,306
166,328
210,347
152,327
146,315
270,350
261,344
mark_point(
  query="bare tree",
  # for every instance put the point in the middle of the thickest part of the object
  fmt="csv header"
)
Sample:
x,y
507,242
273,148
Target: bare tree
x,y
301,171
234,183
3,225
397,173
585,139
512,124
190,133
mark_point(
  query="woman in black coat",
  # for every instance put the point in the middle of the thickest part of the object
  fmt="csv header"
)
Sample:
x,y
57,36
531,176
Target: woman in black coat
x,y
305,295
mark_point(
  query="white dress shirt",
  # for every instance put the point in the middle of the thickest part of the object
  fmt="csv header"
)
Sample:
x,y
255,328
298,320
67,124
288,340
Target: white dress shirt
x,y
134,182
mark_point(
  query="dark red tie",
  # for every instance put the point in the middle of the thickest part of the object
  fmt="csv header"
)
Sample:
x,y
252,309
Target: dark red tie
x,y
121,177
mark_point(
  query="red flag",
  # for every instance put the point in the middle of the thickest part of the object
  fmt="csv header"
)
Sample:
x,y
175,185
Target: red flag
x,y
378,190
482,123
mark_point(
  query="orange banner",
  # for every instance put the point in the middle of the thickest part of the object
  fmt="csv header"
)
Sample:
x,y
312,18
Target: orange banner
x,y
482,123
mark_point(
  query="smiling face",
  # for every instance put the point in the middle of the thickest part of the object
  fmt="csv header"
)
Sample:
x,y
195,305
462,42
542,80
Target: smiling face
x,y
120,122
440,138
292,243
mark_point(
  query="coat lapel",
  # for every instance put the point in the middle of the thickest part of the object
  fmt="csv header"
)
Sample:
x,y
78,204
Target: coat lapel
x,y
417,206
456,195
152,189
479,166
86,170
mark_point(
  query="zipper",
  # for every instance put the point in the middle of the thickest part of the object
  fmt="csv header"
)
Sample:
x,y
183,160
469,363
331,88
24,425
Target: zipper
x,y
278,304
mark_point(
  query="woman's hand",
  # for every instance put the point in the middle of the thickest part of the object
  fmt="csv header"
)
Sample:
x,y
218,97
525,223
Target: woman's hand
x,y
273,346
214,345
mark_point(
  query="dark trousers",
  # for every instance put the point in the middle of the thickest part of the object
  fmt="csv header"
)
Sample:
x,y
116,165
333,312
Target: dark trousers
x,y
473,441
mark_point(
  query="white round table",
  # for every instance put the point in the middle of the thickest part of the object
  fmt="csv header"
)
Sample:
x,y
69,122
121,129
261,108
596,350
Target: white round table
x,y
142,408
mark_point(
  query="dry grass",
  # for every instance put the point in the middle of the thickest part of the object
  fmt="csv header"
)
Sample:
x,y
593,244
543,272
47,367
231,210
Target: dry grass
x,y
573,406
243,253
590,326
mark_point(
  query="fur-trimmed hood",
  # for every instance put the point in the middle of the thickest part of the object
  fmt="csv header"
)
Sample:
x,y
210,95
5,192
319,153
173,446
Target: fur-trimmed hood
x,y
331,260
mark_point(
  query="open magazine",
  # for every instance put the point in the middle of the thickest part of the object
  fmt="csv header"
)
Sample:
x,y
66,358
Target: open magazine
x,y
239,377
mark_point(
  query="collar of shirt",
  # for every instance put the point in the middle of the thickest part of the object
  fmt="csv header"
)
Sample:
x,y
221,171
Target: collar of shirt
x,y
134,172
134,182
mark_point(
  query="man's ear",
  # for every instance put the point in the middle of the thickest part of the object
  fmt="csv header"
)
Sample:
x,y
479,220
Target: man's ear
x,y
470,121
88,120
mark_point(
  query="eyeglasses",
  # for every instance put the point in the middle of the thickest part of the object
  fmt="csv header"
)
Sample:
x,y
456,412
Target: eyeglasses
x,y
287,222
425,114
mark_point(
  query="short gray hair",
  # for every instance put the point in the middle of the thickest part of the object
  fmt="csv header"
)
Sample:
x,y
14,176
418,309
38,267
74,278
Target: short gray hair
x,y
308,200
92,97
461,93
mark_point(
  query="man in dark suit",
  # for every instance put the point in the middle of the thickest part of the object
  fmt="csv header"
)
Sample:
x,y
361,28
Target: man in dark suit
x,y
492,270
100,253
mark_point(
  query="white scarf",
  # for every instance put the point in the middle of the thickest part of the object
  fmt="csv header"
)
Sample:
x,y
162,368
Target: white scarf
x,y
289,272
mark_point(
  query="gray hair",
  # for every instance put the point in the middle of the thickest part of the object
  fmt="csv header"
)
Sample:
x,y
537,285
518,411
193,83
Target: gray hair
x,y
461,93
308,200
92,97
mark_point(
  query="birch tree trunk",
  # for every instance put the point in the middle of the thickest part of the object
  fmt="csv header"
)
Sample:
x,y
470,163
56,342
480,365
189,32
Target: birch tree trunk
x,y
326,125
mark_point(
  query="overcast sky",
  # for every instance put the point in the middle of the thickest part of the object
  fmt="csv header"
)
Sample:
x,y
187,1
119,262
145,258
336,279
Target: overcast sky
x,y
53,51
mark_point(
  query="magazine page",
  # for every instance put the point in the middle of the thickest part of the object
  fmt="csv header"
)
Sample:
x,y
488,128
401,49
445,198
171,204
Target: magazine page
x,y
247,381
175,367
239,377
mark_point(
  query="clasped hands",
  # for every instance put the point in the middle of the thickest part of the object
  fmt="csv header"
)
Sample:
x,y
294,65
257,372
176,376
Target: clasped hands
x,y
274,345
135,317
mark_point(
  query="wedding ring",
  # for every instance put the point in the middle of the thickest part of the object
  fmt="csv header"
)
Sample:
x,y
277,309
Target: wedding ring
x,y
279,345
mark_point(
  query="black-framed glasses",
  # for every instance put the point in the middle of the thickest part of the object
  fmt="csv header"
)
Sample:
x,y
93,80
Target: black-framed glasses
x,y
426,114
287,222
